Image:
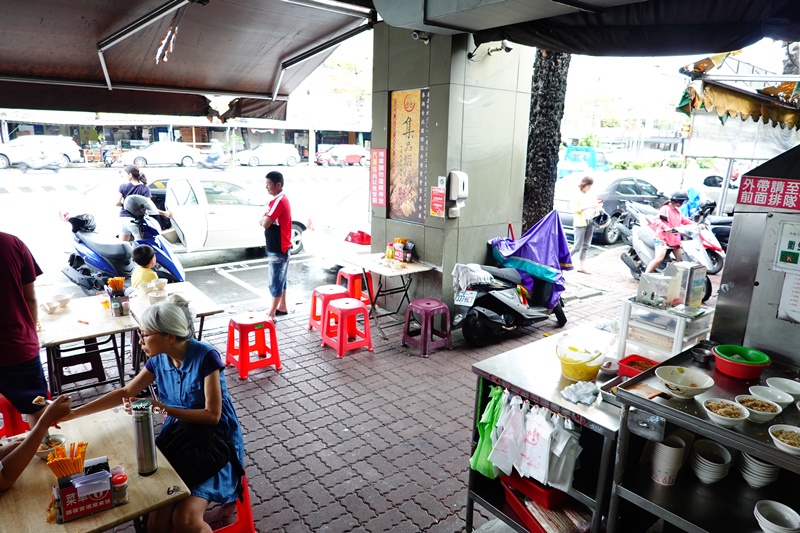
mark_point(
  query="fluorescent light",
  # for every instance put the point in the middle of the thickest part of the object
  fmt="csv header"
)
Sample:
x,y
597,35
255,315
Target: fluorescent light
x,y
343,8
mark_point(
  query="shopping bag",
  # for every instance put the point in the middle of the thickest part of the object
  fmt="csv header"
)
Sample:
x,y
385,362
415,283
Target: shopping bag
x,y
564,452
480,458
534,460
507,448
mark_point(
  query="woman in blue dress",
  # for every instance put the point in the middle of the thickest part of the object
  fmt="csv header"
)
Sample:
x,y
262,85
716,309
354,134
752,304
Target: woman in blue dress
x,y
192,389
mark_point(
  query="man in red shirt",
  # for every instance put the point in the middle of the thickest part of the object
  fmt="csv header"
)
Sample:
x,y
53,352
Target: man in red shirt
x,y
277,224
21,375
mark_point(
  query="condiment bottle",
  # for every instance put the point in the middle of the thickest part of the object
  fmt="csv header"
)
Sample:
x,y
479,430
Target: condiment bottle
x,y
119,486
146,461
116,310
389,251
125,309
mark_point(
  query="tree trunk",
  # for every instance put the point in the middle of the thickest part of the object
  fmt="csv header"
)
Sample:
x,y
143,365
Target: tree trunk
x,y
548,89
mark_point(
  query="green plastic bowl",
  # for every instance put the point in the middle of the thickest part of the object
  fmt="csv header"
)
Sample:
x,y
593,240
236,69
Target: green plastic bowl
x,y
741,354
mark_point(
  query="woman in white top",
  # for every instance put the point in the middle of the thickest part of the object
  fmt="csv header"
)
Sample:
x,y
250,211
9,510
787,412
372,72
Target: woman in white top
x,y
584,209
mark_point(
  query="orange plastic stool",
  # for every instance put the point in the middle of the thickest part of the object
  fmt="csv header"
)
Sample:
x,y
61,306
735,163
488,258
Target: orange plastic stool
x,y
13,424
355,283
345,312
238,354
320,298
244,514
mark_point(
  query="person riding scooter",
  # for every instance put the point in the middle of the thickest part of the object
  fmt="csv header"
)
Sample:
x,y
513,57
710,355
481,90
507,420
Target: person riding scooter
x,y
667,238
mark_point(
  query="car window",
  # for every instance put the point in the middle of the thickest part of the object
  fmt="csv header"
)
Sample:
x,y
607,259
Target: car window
x,y
627,187
647,189
182,192
225,193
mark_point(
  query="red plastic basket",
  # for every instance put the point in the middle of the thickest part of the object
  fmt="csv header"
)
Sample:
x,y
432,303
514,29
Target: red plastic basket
x,y
626,370
738,370
519,508
546,497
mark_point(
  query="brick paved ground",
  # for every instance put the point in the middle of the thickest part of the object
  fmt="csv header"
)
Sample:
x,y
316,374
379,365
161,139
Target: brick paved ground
x,y
377,441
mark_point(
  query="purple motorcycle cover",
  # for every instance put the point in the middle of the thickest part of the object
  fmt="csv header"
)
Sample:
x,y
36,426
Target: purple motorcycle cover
x,y
542,253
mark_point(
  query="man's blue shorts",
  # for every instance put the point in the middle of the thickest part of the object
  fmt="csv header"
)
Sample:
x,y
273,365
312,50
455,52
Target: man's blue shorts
x,y
23,382
278,272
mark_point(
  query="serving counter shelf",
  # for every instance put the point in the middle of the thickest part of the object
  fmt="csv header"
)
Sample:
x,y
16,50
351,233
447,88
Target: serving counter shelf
x,y
534,373
690,504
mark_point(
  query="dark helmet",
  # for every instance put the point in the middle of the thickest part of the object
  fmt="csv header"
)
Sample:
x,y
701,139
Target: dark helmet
x,y
679,196
138,205
83,222
601,219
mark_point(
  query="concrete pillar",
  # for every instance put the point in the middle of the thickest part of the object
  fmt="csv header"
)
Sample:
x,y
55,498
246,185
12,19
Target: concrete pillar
x,y
478,123
4,131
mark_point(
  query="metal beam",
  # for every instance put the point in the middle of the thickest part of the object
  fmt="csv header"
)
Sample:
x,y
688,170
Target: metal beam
x,y
763,78
333,6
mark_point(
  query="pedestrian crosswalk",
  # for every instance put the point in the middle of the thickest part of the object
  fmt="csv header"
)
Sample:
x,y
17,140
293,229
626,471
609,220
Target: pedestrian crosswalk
x,y
38,189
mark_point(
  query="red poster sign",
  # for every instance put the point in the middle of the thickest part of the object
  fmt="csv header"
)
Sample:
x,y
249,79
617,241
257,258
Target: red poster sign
x,y
377,177
437,202
770,192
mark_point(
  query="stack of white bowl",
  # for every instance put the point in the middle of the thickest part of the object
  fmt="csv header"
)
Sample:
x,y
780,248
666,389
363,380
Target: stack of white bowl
x,y
757,473
710,461
774,517
667,459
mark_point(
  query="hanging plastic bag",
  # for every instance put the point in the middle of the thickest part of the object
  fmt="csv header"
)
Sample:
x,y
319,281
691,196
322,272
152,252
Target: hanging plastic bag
x,y
507,448
480,459
564,453
535,457
505,410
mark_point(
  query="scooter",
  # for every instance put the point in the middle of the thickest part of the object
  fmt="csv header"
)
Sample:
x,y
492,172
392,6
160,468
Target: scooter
x,y
98,257
642,249
40,162
720,226
213,162
491,307
108,158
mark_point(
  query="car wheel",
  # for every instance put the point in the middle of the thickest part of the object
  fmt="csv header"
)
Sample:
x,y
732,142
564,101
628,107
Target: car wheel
x,y
4,162
292,161
140,162
187,161
253,162
610,234
63,161
363,161
296,240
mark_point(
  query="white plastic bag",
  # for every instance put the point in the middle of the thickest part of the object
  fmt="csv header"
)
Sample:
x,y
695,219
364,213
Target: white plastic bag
x,y
507,448
564,453
535,457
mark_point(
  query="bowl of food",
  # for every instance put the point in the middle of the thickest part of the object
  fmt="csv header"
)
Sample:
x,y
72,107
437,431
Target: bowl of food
x,y
725,413
775,517
683,382
789,386
760,410
772,394
786,437
48,443
634,364
580,357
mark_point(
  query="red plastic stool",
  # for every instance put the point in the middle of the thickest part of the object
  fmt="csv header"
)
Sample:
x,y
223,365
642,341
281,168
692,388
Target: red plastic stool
x,y
427,338
345,312
244,515
320,298
239,354
355,283
13,424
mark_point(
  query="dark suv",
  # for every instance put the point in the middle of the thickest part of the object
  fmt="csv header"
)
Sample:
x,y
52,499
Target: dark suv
x,y
614,189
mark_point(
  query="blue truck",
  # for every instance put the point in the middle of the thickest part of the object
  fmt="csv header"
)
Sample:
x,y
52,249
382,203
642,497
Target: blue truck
x,y
581,159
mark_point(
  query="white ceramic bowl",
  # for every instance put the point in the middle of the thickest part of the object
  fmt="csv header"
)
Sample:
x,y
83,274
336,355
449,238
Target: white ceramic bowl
x,y
759,417
683,382
794,450
777,516
61,299
161,284
772,394
725,421
44,449
789,386
49,307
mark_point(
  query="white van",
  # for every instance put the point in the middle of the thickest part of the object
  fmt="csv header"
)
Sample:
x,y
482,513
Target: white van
x,y
23,148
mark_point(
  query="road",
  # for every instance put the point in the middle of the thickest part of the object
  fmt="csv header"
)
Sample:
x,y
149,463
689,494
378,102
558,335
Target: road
x,y
31,205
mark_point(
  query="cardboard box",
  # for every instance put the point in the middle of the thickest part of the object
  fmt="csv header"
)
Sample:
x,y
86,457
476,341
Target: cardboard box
x,y
689,285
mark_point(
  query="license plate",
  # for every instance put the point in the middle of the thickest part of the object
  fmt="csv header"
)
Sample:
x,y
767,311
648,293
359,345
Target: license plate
x,y
465,298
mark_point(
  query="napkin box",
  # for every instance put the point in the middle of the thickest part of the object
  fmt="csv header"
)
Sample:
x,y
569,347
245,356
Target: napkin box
x,y
77,501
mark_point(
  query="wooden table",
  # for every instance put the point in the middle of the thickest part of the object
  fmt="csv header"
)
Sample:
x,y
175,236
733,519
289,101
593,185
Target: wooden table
x,y
387,268
84,319
108,433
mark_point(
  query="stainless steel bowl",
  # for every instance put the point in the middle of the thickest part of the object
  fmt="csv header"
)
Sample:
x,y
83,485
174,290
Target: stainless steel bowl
x,y
701,355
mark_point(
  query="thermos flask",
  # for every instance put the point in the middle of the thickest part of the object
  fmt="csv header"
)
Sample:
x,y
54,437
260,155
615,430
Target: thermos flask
x,y
146,461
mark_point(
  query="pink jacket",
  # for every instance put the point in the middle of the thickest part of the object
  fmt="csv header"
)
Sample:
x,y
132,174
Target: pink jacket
x,y
674,219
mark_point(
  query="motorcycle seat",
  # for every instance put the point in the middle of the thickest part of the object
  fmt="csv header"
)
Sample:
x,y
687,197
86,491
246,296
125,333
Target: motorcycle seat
x,y
509,274
719,221
110,247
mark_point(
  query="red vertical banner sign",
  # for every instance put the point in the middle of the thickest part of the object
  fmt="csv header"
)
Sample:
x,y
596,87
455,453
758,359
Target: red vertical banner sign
x,y
408,154
377,177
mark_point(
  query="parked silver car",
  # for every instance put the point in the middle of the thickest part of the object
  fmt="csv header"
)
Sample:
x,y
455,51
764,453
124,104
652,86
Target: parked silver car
x,y
49,147
269,154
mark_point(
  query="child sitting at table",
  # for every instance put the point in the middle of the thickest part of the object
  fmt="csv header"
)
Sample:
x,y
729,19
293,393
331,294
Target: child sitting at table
x,y
145,257
15,456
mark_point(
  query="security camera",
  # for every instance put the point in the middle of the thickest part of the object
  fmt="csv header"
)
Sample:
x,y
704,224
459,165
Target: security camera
x,y
506,44
421,36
